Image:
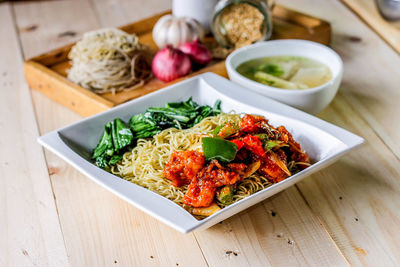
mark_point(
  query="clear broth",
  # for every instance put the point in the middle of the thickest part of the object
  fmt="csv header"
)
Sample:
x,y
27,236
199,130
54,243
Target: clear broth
x,y
286,72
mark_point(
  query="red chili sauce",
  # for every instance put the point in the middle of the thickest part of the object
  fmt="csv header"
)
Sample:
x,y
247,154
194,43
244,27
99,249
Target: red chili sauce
x,y
190,167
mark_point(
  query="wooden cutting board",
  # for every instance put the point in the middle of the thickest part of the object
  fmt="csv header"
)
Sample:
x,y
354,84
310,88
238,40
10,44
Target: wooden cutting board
x,y
368,11
47,73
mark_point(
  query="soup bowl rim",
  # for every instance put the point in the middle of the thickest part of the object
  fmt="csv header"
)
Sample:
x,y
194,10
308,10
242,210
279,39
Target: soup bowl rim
x,y
335,74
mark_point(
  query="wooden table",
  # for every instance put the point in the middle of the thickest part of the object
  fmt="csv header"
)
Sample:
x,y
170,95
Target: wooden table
x,y
51,215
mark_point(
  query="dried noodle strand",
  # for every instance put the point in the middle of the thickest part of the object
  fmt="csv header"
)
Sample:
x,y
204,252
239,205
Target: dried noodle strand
x,y
105,61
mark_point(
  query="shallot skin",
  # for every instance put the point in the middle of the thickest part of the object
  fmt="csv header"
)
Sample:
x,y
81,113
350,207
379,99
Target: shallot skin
x,y
170,64
199,53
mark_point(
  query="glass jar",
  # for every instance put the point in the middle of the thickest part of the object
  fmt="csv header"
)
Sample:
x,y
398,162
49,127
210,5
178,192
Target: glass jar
x,y
236,23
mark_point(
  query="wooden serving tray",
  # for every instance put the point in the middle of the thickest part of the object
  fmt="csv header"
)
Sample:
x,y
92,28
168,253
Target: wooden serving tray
x,y
47,73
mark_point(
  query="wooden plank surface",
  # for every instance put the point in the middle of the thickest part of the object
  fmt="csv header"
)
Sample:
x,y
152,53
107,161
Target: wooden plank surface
x,y
371,80
369,12
77,196
356,199
58,89
29,227
99,229
317,239
280,231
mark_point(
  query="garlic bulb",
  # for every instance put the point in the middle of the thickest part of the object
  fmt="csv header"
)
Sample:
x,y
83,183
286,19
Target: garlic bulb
x,y
170,30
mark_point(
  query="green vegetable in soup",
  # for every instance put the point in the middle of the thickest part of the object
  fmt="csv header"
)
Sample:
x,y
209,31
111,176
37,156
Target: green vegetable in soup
x,y
272,69
286,72
271,80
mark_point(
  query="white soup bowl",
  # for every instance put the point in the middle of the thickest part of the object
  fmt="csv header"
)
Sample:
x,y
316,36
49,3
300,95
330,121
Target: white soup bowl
x,y
311,100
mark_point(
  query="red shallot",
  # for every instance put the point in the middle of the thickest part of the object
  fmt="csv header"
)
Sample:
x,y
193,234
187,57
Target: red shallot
x,y
198,52
170,63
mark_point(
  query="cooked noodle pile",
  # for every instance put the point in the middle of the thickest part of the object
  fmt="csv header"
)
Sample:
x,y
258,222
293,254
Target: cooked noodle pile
x,y
144,165
108,60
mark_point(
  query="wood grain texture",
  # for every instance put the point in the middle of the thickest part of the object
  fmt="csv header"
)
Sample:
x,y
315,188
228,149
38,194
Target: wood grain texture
x,y
118,13
64,91
280,231
290,24
368,11
99,229
322,240
29,227
371,80
61,27
234,242
357,198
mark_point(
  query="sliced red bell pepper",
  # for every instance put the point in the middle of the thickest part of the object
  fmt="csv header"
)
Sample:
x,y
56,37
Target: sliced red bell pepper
x,y
254,145
239,143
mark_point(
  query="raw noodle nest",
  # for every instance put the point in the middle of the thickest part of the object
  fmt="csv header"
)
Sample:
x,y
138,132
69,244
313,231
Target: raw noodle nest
x,y
109,60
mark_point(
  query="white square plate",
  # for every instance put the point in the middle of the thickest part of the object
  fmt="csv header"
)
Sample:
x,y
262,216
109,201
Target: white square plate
x,y
323,142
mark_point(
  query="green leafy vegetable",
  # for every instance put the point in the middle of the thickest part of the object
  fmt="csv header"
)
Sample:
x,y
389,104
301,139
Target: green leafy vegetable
x,y
272,69
114,159
121,135
102,162
218,148
117,137
182,114
143,126
217,107
105,144
179,115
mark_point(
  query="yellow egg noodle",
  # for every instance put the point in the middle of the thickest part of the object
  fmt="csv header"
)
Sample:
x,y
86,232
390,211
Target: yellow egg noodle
x,y
144,165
